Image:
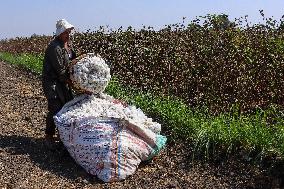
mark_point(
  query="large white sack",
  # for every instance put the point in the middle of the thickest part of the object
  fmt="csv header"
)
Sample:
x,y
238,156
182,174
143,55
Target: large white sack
x,y
108,139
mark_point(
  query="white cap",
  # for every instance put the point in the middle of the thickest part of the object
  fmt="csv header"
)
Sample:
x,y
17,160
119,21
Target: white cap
x,y
62,25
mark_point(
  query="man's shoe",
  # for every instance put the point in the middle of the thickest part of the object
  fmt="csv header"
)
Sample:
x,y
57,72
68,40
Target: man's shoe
x,y
50,142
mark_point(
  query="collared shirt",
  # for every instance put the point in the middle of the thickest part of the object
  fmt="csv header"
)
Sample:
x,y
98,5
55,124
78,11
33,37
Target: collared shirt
x,y
56,73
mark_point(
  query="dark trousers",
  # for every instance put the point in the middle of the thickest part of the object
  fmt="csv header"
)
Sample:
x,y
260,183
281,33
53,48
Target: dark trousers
x,y
54,106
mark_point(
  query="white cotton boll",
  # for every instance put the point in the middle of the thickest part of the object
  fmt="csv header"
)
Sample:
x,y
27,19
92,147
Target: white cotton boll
x,y
91,73
84,69
93,78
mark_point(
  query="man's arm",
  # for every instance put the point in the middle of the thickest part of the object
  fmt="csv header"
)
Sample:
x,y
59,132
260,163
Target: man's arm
x,y
57,62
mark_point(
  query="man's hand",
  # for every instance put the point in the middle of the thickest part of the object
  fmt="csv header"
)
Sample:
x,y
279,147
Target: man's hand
x,y
88,92
74,61
123,103
69,82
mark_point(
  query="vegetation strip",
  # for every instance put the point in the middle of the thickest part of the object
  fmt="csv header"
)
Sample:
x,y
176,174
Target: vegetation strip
x,y
256,134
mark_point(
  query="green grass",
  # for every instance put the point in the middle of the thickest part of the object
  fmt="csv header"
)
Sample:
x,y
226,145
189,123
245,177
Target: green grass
x,y
227,132
32,62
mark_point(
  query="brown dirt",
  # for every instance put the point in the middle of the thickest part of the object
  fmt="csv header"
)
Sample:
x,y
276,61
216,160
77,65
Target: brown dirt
x,y
26,163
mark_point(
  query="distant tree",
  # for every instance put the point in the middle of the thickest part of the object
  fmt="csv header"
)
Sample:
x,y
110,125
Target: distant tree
x,y
34,35
194,25
219,22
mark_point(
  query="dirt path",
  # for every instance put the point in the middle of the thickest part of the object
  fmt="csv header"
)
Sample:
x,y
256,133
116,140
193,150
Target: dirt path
x,y
25,162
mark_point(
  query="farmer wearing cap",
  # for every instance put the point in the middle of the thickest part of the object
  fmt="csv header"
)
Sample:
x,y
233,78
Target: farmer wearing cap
x,y
55,76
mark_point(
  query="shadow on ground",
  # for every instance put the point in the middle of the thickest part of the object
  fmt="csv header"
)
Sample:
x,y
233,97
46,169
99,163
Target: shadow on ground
x,y
62,164
58,162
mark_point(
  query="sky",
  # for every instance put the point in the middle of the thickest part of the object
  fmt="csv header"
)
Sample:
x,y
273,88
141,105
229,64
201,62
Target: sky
x,y
22,18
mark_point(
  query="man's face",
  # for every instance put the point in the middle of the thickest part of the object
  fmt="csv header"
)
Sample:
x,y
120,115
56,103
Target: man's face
x,y
65,36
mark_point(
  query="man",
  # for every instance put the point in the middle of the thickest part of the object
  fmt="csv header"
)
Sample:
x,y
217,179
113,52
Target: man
x,y
55,81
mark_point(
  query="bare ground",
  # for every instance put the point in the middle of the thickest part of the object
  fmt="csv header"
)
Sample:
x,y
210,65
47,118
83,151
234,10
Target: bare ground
x,y
26,163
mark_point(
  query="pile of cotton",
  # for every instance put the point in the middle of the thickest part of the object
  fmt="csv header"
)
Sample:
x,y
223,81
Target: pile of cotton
x,y
90,74
107,139
92,106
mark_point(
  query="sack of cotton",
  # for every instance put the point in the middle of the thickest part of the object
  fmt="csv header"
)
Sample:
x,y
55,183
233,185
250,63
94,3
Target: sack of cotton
x,y
90,74
107,139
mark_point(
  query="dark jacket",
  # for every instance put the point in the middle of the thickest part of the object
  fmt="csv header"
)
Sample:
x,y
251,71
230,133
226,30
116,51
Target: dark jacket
x,y
56,73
